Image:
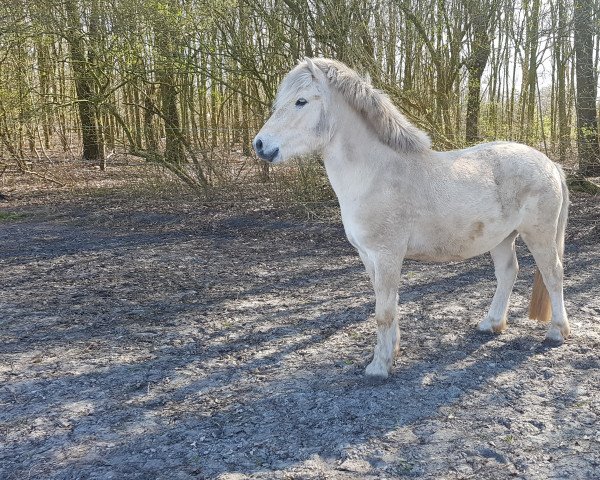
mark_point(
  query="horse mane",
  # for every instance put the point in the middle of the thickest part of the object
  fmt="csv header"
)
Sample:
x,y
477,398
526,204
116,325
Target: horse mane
x,y
391,126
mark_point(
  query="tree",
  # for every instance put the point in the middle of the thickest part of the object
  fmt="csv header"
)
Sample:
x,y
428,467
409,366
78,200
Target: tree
x,y
587,121
92,147
167,38
480,17
561,55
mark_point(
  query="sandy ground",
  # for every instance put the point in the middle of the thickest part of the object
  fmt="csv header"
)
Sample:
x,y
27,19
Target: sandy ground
x,y
151,337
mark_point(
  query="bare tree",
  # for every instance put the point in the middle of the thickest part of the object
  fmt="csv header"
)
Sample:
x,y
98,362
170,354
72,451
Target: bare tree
x,y
82,66
587,121
481,13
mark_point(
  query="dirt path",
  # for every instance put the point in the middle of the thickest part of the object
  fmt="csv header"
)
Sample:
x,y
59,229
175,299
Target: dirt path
x,y
154,339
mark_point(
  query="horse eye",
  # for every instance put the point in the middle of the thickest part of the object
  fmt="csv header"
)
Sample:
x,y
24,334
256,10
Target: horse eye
x,y
301,102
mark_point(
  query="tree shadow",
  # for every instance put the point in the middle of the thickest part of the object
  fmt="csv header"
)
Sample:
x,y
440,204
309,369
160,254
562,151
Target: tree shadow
x,y
280,422
238,409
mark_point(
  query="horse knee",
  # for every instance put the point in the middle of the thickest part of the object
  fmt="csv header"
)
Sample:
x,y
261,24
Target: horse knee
x,y
386,304
386,318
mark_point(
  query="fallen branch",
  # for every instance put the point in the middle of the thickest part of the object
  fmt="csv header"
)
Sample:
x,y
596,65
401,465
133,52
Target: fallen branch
x,y
43,177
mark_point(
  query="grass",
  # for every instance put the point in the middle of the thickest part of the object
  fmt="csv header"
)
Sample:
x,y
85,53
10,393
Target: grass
x,y
8,216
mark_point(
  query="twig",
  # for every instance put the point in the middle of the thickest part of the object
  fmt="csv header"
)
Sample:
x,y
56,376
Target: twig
x,y
43,177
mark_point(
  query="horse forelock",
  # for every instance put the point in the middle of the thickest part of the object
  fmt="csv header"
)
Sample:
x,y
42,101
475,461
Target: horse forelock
x,y
294,81
391,126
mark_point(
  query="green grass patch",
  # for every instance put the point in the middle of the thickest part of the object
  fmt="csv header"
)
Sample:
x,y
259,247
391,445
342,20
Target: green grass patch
x,y
8,216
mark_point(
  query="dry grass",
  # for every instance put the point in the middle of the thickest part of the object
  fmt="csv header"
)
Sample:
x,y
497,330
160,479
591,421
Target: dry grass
x,y
234,179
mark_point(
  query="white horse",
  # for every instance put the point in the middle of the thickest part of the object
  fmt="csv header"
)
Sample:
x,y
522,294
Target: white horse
x,y
400,199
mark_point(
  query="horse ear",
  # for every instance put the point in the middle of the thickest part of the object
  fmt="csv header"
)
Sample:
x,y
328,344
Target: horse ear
x,y
315,71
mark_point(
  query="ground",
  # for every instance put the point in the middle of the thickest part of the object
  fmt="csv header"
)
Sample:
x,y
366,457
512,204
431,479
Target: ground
x,y
160,336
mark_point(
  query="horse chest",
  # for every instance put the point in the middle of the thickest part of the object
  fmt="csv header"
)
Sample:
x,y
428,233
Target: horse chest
x,y
372,231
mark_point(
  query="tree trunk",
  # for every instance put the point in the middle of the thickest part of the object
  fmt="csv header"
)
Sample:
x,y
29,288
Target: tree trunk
x,y
480,52
84,86
531,80
150,134
166,36
561,94
587,126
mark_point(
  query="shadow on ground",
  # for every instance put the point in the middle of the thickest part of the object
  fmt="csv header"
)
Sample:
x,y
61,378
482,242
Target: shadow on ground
x,y
197,344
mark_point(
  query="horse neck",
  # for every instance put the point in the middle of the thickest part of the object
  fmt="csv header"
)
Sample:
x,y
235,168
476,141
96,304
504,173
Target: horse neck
x,y
355,155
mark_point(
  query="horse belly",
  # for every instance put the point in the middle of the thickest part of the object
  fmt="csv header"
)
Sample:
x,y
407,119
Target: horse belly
x,y
451,245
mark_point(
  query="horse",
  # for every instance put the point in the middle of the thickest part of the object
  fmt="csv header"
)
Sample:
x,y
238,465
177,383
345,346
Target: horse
x,y
400,199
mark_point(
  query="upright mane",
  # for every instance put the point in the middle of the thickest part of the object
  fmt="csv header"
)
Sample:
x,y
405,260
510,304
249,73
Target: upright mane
x,y
387,122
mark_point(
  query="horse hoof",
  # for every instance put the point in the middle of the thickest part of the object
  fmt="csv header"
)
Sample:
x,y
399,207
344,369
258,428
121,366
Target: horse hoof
x,y
376,369
492,325
557,334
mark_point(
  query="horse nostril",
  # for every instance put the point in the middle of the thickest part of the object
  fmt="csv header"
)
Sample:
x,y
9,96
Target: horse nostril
x,y
273,154
258,144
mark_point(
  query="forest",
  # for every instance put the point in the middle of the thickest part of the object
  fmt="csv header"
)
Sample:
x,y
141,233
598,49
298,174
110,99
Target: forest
x,y
187,83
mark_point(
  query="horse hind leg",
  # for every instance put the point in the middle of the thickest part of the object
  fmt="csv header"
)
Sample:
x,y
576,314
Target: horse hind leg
x,y
506,268
549,263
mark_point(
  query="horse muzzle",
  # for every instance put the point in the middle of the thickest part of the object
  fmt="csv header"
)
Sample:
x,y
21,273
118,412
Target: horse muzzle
x,y
265,154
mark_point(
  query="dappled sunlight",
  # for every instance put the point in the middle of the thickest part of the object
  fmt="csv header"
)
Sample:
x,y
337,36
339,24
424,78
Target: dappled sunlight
x,y
252,360
44,363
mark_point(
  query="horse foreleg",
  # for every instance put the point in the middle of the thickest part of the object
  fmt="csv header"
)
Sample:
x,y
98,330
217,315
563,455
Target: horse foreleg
x,y
368,263
386,281
506,268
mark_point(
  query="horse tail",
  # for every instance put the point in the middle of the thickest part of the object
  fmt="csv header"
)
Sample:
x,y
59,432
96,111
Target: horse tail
x,y
540,307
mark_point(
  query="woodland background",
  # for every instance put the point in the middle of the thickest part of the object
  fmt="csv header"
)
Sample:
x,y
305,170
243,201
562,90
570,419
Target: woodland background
x,y
186,83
